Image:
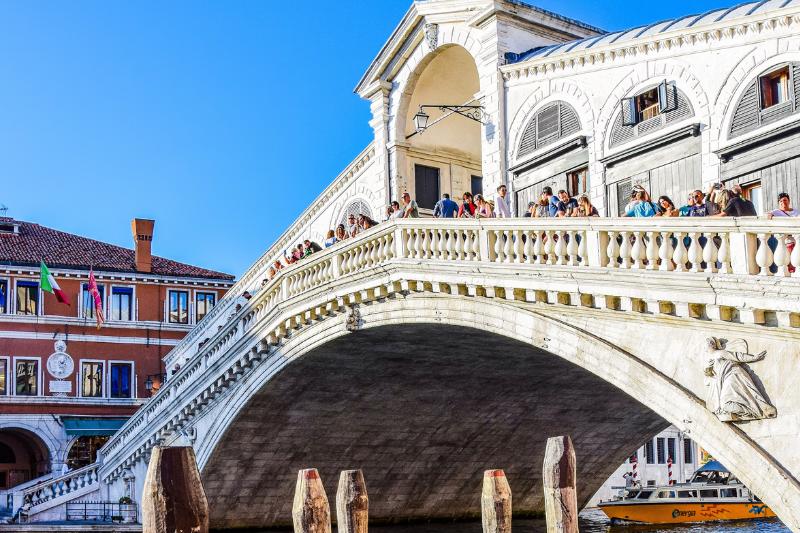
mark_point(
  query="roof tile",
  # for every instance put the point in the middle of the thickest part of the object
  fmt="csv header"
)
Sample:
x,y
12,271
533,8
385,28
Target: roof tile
x,y
59,249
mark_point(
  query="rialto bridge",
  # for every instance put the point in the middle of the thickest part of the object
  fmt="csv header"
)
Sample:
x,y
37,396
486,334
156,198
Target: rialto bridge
x,y
426,351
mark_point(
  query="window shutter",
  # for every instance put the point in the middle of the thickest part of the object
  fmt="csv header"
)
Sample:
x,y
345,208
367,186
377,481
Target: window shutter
x,y
547,125
667,97
746,115
628,112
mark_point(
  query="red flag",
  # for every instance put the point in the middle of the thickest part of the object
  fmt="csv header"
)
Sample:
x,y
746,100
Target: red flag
x,y
94,292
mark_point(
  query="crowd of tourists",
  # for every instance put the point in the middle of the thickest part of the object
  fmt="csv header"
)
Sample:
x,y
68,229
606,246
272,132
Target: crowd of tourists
x,y
716,202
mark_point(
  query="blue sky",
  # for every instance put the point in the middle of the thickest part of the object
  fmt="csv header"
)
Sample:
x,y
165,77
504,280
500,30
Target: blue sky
x,y
222,120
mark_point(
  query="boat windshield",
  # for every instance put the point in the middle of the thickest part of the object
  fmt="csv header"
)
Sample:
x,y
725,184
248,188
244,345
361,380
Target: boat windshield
x,y
712,476
638,495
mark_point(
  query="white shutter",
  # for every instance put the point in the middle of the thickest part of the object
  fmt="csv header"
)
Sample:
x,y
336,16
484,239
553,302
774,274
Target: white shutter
x,y
667,97
629,115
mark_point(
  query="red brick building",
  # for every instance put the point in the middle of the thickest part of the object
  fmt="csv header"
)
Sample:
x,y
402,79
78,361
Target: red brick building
x,y
65,384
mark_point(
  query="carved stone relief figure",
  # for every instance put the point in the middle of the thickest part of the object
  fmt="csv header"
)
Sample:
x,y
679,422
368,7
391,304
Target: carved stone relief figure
x,y
732,393
432,35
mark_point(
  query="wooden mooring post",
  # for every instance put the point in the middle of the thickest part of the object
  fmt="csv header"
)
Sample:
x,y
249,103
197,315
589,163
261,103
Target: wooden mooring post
x,y
496,502
173,499
352,503
560,495
310,511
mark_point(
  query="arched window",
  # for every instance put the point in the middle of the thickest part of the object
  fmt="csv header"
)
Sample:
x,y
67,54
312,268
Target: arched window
x,y
773,95
356,207
549,124
7,455
649,110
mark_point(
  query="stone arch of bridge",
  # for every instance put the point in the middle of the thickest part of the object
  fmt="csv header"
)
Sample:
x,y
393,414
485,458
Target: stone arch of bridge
x,y
484,376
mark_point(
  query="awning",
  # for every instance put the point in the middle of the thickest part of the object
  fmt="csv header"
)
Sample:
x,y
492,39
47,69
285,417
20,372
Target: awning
x,y
91,426
712,466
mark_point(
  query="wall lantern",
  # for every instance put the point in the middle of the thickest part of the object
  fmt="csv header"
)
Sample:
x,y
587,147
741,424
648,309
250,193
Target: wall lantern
x,y
472,112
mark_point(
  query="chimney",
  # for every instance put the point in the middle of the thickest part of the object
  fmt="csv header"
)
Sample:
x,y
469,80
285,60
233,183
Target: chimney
x,y
142,238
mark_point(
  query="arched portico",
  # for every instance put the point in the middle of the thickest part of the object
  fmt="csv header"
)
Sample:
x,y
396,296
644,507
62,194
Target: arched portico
x,y
445,157
23,456
420,373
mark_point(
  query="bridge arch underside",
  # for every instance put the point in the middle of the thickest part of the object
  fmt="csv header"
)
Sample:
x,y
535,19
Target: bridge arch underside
x,y
423,409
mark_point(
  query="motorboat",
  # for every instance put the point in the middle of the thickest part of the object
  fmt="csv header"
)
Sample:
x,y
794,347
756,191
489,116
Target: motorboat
x,y
712,493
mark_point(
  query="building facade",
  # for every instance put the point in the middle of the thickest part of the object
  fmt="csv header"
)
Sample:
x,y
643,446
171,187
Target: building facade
x,y
673,106
65,383
650,465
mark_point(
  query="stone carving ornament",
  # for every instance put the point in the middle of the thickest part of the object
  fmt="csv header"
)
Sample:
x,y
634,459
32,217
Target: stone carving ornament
x,y
732,393
60,364
353,320
432,35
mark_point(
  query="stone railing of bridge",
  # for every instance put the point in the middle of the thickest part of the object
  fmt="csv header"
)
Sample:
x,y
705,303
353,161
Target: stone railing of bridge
x,y
252,278
729,270
51,492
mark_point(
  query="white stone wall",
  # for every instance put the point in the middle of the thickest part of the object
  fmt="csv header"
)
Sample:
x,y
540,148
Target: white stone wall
x,y
711,67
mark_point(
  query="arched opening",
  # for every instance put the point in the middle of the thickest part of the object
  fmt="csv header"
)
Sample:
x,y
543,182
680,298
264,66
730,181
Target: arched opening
x,y
23,456
445,157
84,451
423,409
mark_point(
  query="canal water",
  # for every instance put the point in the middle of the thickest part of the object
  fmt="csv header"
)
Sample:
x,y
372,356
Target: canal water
x,y
592,521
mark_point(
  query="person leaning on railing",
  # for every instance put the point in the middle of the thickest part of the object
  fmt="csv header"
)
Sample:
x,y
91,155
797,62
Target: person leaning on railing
x,y
666,207
585,208
784,210
467,209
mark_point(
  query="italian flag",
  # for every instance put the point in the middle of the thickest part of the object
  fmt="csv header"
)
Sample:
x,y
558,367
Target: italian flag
x,y
49,284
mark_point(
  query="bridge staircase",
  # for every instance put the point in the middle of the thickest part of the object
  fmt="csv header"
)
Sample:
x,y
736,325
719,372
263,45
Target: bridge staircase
x,y
45,498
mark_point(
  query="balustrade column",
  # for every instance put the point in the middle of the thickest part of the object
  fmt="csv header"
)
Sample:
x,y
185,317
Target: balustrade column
x,y
508,250
710,253
612,250
625,249
519,247
695,252
651,250
665,251
781,255
572,247
638,250
764,255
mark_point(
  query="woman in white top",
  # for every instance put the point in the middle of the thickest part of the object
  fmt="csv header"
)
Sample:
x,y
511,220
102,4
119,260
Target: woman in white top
x,y
784,208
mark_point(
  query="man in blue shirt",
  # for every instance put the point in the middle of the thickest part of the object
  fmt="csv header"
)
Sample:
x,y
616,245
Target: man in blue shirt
x,y
565,205
445,208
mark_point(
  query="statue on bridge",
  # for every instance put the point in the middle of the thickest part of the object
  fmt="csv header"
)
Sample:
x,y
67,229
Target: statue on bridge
x,y
732,391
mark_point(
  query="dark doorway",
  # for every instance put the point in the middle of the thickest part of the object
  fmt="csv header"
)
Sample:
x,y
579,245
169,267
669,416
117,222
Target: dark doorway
x,y
426,185
476,184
